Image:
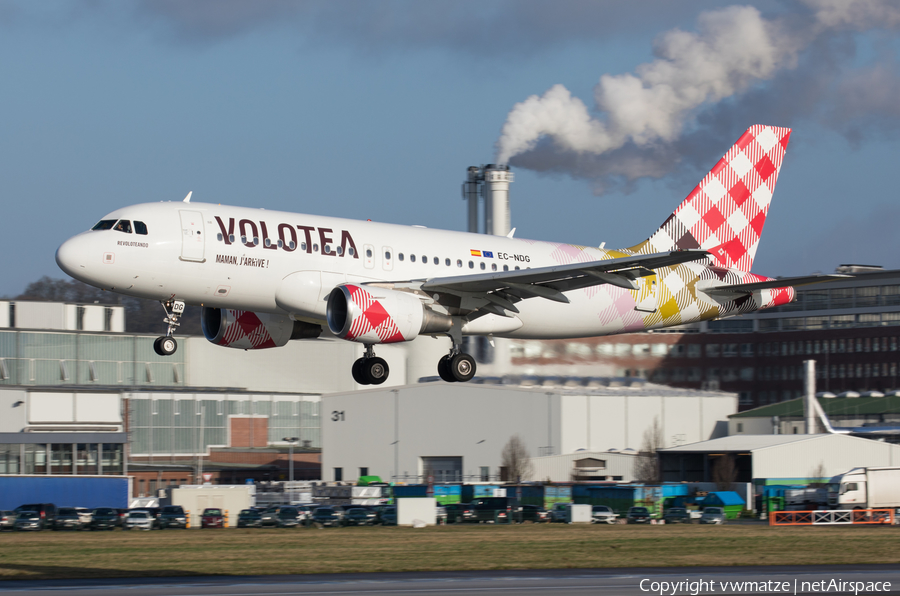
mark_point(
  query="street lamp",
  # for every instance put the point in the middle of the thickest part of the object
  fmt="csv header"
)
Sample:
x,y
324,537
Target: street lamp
x,y
291,441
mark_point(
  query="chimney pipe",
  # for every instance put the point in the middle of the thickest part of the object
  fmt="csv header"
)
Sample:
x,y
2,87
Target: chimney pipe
x,y
809,394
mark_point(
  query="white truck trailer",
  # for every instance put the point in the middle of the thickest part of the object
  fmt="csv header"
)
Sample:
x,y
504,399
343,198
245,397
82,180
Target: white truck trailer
x,y
870,488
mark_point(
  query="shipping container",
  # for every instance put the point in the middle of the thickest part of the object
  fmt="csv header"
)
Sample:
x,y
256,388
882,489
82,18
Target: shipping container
x,y
618,498
65,491
445,494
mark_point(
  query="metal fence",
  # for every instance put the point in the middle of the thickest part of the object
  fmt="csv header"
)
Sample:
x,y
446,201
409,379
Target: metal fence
x,y
832,517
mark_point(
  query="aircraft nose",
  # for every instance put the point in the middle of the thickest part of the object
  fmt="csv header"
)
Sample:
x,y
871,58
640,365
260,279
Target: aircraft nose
x,y
70,258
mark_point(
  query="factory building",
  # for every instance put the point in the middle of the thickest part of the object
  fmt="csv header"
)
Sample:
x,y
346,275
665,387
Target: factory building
x,y
586,466
453,433
787,458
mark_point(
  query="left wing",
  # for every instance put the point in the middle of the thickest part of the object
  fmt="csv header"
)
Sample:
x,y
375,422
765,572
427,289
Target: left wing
x,y
498,292
782,282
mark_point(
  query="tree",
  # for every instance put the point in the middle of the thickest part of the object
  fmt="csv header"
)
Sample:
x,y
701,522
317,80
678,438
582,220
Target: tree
x,y
816,473
646,467
515,460
724,472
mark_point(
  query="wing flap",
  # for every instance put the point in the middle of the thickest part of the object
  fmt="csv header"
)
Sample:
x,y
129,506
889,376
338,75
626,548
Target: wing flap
x,y
783,282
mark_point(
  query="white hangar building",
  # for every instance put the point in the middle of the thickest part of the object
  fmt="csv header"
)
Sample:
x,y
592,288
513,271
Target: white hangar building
x,y
788,457
455,432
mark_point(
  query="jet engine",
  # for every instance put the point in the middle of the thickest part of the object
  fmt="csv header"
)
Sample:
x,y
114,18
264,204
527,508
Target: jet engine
x,y
247,330
374,315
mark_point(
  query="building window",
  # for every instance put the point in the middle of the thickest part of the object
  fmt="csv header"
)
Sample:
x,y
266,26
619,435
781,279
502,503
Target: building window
x,y
747,373
712,350
740,427
693,351
745,398
339,474
485,474
746,350
363,472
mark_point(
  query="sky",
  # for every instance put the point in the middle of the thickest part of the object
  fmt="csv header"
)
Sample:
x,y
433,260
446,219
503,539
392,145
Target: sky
x,y
608,113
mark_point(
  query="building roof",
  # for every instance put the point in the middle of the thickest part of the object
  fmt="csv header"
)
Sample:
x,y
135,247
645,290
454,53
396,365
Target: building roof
x,y
744,443
841,406
636,388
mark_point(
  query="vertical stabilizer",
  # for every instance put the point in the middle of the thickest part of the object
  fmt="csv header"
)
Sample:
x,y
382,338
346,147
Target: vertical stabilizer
x,y
726,212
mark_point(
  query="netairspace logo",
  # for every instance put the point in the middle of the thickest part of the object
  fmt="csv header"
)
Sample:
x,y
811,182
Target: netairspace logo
x,y
697,587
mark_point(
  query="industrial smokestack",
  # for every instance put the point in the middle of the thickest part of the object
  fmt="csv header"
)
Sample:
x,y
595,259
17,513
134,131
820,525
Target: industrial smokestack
x,y
470,194
496,199
809,395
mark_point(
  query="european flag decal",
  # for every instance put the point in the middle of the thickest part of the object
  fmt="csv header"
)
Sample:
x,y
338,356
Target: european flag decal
x,y
487,253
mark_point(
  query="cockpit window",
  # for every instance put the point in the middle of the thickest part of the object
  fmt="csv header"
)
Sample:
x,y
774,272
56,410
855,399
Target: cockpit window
x,y
123,226
104,224
140,228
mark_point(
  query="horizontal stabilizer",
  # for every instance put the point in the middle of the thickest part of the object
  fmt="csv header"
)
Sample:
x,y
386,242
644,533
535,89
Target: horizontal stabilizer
x,y
783,282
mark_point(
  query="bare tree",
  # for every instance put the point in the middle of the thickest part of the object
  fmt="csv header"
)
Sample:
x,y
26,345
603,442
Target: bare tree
x,y
646,467
816,473
724,472
515,460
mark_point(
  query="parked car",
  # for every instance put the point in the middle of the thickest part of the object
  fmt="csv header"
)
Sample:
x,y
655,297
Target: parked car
x,y
138,519
7,520
389,516
306,512
713,515
602,514
677,515
212,517
85,514
638,515
326,516
104,518
357,516
47,511
495,509
459,513
29,520
281,516
122,513
153,512
68,518
559,512
249,518
172,516
534,514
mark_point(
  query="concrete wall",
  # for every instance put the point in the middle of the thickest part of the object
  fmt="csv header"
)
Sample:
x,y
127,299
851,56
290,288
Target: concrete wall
x,y
195,499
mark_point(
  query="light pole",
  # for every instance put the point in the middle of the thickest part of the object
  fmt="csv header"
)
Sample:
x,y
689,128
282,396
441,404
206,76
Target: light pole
x,y
291,441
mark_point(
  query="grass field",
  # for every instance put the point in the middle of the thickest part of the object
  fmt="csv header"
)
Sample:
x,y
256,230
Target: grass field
x,y
46,555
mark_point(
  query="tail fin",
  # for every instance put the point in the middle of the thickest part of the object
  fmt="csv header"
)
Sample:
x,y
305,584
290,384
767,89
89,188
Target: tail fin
x,y
726,212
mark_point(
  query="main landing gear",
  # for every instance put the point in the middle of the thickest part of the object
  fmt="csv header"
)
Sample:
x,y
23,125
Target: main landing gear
x,y
166,345
457,366
370,369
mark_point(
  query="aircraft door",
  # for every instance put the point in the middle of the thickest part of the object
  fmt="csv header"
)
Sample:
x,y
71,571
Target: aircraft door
x,y
369,256
387,254
192,236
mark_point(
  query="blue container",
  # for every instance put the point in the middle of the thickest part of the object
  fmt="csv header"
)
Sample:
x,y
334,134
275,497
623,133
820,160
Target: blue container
x,y
64,491
410,490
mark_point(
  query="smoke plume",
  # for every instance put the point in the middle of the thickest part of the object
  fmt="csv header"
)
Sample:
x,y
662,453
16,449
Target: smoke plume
x,y
644,123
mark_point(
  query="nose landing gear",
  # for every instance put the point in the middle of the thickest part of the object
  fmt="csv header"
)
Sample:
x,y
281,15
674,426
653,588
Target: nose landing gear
x,y
370,369
166,345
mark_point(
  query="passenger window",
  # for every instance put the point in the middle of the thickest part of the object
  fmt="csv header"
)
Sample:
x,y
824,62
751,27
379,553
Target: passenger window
x,y
315,248
231,238
482,265
387,256
447,262
140,228
350,251
291,245
412,258
123,226
219,236
493,266
303,246
424,260
340,250
506,267
368,253
280,243
471,265
400,256
104,224
459,262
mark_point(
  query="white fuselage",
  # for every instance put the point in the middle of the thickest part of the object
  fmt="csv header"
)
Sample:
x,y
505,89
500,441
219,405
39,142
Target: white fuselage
x,y
205,254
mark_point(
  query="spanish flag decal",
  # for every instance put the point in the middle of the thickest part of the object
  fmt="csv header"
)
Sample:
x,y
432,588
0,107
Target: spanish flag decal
x,y
475,253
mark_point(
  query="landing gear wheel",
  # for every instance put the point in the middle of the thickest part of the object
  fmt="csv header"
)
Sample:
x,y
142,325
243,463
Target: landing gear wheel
x,y
165,346
444,369
375,370
462,367
357,372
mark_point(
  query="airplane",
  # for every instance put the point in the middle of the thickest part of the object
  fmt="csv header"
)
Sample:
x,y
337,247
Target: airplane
x,y
263,278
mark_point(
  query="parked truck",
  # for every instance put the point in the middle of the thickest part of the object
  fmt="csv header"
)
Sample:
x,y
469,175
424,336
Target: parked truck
x,y
870,488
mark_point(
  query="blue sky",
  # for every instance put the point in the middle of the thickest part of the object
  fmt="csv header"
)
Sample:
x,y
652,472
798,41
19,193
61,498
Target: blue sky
x,y
375,109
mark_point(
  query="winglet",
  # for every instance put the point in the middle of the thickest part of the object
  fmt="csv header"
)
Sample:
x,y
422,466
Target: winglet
x,y
512,233
187,199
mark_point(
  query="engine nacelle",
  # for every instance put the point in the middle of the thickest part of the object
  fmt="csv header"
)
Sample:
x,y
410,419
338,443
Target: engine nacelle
x,y
247,330
378,316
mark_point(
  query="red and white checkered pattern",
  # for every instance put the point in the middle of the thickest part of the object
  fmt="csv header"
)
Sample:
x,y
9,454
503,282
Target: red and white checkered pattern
x,y
726,212
246,331
373,323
